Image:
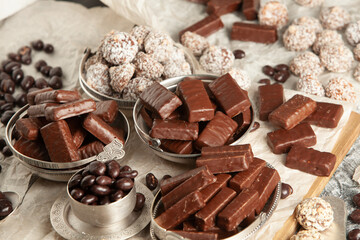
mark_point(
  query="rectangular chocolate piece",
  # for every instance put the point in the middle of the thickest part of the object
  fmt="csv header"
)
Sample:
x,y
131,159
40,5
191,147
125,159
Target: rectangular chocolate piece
x,y
196,182
217,131
205,218
310,161
248,220
197,102
31,95
221,7
250,32
326,115
59,143
106,110
270,97
39,109
209,191
292,112
77,131
245,178
34,149
243,120
250,9
91,149
160,100
264,184
70,109
57,96
177,146
29,128
281,140
205,27
237,210
174,130
207,151
197,235
182,210
188,226
146,115
232,99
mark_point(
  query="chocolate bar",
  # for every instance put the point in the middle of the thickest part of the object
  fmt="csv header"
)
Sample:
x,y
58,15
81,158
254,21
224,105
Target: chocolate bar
x,y
177,146
77,132
197,103
146,116
69,110
182,210
281,140
217,131
205,27
197,235
264,184
33,149
91,149
243,120
29,128
205,218
160,100
174,130
237,210
106,110
270,97
232,99
248,220
101,130
196,182
59,143
31,95
207,151
326,115
221,7
250,32
209,191
310,161
39,110
245,178
57,96
292,112
250,9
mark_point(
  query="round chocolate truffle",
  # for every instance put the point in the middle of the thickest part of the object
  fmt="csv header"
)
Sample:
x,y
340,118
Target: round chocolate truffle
x,y
306,63
352,33
334,18
196,43
217,60
120,76
310,84
326,37
273,13
97,77
336,58
340,89
298,38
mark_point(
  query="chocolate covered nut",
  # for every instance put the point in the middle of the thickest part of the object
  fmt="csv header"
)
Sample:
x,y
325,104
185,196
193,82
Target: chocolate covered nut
x,y
270,98
250,9
9,98
128,174
106,110
6,116
6,106
124,184
100,190
41,83
14,57
27,83
254,33
104,180
125,168
97,168
87,181
354,234
5,207
205,27
75,181
281,76
26,59
151,181
113,168
117,195
6,151
77,193
7,86
4,75
221,7
326,115
69,110
55,82
45,70
239,54
268,70
48,48
281,67
286,190
33,149
56,71
17,75
37,45
89,199
58,96
31,95
174,129
355,216
40,64
356,199
11,66
140,202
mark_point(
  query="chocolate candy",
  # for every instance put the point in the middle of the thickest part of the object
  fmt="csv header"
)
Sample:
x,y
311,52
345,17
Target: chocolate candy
x,y
59,143
140,202
5,207
221,7
326,115
106,110
37,45
196,101
286,190
124,184
33,149
78,133
4,75
177,146
281,67
41,83
356,199
188,226
69,110
197,235
355,216
232,99
48,48
268,70
90,149
281,140
265,81
17,75
7,86
151,181
6,151
87,181
26,59
113,169
100,129
239,54
255,127
29,127
56,71
103,180
292,112
45,70
250,9
31,95
6,106
27,83
56,96
9,98
254,33
39,110
146,115
77,193
270,97
208,151
209,191
205,27
354,234
160,100
14,57
310,160
7,115
243,120
55,82
40,64
281,76
174,129
11,66
100,190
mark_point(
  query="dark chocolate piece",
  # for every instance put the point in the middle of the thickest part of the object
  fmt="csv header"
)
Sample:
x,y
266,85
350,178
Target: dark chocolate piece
x,y
209,191
270,97
29,128
91,149
39,109
174,130
57,96
221,7
33,149
286,190
243,120
197,235
250,32
292,112
188,226
69,110
106,110
177,146
205,27
250,9
146,115
206,151
31,95
326,115
77,132
281,140
310,161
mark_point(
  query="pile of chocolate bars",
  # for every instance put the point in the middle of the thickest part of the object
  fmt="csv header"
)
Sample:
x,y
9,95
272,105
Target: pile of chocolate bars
x,y
58,122
210,203
191,119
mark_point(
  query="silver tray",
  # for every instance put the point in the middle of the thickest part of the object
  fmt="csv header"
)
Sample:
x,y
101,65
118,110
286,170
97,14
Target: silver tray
x,y
154,143
157,232
121,120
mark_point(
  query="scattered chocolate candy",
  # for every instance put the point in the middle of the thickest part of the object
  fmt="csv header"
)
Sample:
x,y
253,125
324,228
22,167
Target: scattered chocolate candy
x,y
21,100
124,184
4,63
4,75
48,48
286,190
11,66
140,201
128,174
97,168
354,234
281,76
17,75
14,57
281,67
7,86
40,64
6,106
41,83
56,71
37,45
5,206
26,59
55,82
268,70
355,216
2,143
239,54
6,151
356,199
255,126
265,81
25,50
9,98
27,83
89,199
6,116
77,193
45,70
151,181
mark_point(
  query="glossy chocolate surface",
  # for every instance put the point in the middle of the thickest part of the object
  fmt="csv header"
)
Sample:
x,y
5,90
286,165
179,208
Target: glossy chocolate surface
x,y
250,9
326,115
39,109
33,149
69,110
221,7
250,32
91,149
57,96
209,191
31,95
106,110
270,97
206,26
174,130
177,146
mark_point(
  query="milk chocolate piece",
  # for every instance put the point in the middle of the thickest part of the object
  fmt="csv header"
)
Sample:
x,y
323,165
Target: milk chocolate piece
x,y
217,131
310,161
270,97
196,182
177,146
205,27
326,115
91,149
106,110
77,131
197,235
281,140
221,7
182,210
264,184
69,110
101,130
248,220
146,116
33,149
39,109
29,128
57,96
160,100
245,178
174,130
197,103
243,120
250,9
237,210
59,143
250,32
209,191
205,218
207,151
31,95
188,226
232,99
292,112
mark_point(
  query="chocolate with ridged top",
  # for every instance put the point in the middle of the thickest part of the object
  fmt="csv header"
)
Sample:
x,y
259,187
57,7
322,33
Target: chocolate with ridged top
x,y
57,96
106,110
174,130
77,132
177,146
70,109
221,7
270,97
250,9
205,27
31,95
39,109
91,149
33,149
326,115
250,32
29,128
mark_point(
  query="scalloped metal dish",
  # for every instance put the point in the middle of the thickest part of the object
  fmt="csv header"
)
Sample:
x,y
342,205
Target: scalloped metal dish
x,y
157,232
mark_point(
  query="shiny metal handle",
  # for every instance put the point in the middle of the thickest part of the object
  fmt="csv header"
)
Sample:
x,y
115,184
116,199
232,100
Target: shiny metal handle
x,y
113,150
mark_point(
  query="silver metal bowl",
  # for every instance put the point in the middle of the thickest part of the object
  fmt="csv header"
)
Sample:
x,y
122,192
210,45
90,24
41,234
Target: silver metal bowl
x,y
143,131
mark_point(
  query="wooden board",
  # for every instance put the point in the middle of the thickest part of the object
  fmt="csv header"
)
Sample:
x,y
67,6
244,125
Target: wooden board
x,y
346,139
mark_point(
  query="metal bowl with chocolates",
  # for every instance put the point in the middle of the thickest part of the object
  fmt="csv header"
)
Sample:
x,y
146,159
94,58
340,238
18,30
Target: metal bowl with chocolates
x,y
181,115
